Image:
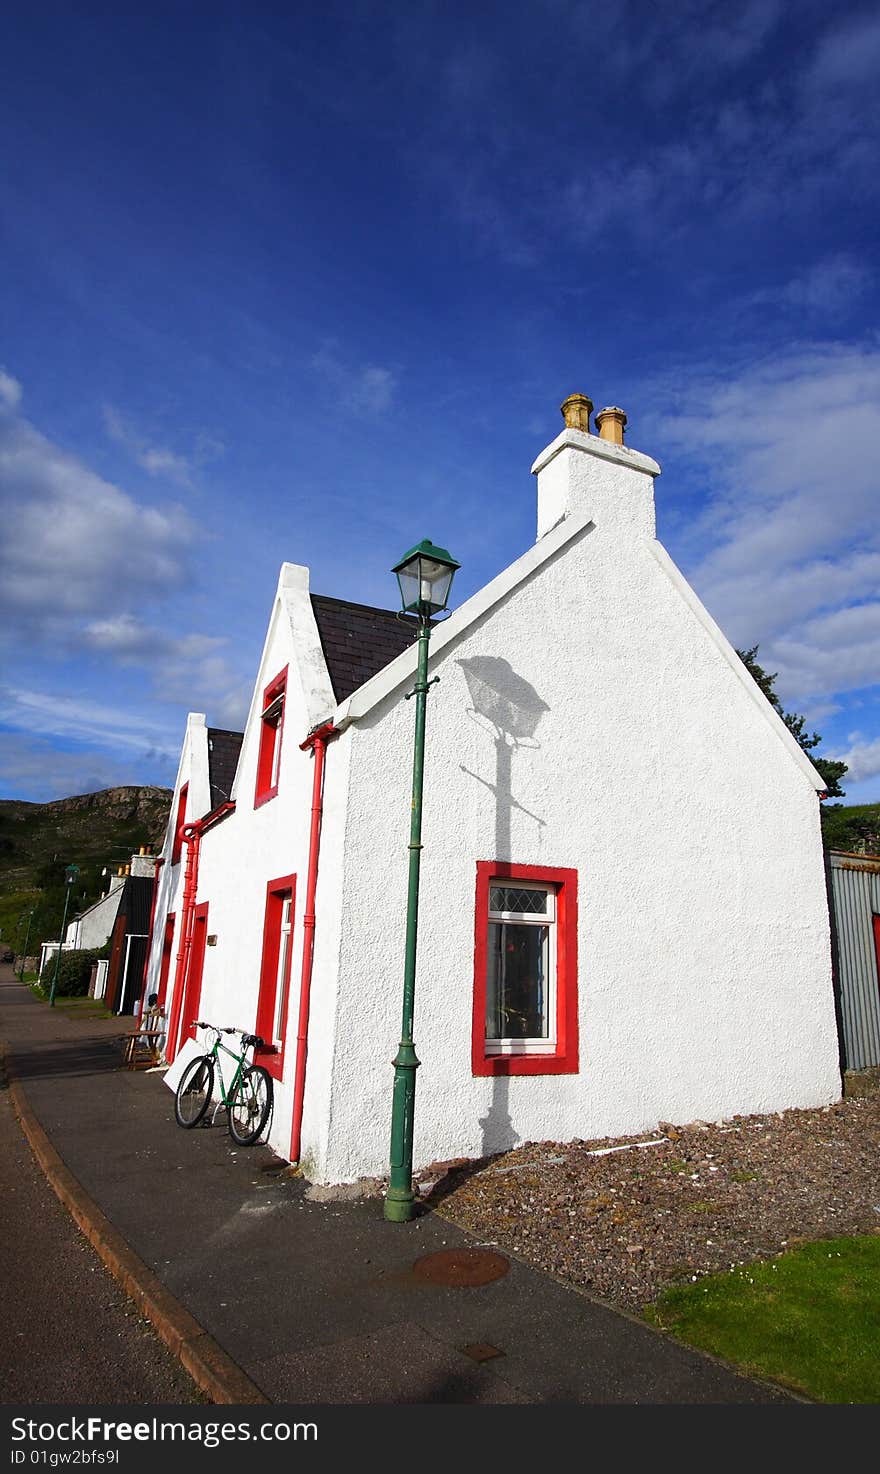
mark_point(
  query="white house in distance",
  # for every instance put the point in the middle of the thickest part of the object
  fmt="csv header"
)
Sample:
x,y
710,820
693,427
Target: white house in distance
x,y
623,913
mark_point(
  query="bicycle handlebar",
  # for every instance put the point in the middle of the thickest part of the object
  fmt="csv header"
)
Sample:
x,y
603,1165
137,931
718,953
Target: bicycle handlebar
x,y
246,1038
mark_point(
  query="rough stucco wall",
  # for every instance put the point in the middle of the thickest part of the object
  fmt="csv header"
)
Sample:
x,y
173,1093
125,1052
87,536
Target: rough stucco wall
x,y
629,750
323,1040
96,924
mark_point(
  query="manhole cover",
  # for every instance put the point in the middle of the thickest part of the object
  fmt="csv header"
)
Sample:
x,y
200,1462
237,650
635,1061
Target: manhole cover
x,y
461,1267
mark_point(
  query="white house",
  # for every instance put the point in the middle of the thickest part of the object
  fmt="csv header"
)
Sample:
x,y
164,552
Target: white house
x,y
623,913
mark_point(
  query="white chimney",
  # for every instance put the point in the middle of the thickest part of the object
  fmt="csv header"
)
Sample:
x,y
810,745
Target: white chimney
x,y
595,474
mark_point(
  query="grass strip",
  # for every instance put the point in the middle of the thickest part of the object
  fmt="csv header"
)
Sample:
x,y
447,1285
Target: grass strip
x,y
808,1319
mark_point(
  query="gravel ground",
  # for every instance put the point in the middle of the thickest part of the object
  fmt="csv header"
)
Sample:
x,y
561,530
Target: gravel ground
x,y
627,1224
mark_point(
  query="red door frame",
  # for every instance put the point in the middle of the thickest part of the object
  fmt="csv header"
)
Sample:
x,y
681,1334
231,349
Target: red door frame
x,y
167,950
192,994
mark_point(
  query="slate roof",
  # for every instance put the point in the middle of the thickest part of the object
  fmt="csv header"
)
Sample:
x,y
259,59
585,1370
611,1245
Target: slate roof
x,y
358,641
223,750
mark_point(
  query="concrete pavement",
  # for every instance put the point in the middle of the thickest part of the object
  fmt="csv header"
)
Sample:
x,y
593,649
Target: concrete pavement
x,y
267,1296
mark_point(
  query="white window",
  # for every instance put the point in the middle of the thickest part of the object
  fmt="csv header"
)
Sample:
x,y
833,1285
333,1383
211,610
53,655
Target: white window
x,y
272,718
521,968
283,971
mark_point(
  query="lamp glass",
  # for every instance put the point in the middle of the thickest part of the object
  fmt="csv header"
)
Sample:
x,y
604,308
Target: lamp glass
x,y
424,576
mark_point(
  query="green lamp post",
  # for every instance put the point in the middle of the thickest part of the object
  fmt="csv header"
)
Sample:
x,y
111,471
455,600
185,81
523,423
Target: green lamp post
x,y
27,937
425,576
70,875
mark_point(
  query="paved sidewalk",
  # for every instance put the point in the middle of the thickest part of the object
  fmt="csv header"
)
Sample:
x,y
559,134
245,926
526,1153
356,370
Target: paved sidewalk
x,y
303,1303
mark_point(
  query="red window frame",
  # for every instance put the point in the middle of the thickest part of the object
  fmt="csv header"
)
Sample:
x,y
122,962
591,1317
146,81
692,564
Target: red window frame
x,y
177,840
564,1058
271,733
272,1056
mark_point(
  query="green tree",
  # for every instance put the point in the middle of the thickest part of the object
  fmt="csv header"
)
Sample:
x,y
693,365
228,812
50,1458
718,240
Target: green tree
x,y
830,770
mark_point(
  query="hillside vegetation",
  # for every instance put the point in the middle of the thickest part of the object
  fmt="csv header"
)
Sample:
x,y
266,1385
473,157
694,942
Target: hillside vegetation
x,y
852,827
91,830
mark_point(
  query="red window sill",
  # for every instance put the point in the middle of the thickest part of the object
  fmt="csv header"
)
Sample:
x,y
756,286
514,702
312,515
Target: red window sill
x,y
272,1060
524,1064
263,798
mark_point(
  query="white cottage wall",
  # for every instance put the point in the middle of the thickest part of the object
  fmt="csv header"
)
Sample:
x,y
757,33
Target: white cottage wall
x,y
95,925
192,771
622,743
239,857
256,845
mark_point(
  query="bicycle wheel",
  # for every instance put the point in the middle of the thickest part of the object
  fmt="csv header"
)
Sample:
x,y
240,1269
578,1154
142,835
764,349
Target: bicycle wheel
x,y
250,1105
194,1091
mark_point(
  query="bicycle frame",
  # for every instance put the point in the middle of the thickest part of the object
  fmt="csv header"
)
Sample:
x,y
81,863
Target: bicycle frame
x,y
247,1099
214,1053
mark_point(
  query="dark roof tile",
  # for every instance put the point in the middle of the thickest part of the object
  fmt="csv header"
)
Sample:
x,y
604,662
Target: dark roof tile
x,y
223,750
358,641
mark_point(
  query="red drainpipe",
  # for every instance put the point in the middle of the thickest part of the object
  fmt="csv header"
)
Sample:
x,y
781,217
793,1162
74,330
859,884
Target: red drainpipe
x,y
159,863
317,741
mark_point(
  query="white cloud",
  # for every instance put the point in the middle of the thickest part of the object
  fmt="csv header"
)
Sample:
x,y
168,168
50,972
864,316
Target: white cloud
x,y
836,652
52,714
10,390
44,772
828,287
75,543
862,760
725,149
848,56
790,544
366,389
156,459
187,670
130,641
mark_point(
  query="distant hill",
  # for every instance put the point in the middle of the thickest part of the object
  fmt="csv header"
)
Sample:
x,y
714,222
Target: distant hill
x,y
852,827
91,830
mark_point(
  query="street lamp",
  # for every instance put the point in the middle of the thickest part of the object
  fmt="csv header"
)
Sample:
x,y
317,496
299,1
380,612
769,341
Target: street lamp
x,y
27,937
70,875
425,576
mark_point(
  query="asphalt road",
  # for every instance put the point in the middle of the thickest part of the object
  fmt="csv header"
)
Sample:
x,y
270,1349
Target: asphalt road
x,y
69,1334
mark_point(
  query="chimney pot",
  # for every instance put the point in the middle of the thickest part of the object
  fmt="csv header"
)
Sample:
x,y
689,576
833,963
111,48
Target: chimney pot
x,y
611,423
576,411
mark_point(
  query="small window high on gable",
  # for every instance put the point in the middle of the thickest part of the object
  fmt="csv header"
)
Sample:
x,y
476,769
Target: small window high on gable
x,y
180,820
271,730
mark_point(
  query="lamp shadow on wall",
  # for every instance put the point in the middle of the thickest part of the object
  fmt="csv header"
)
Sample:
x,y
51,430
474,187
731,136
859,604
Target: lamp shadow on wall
x,y
508,709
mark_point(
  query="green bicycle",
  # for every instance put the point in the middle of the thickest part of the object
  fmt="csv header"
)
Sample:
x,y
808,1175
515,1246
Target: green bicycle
x,y
248,1100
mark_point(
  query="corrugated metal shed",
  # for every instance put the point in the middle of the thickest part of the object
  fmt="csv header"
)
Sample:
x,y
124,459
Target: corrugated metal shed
x,y
855,893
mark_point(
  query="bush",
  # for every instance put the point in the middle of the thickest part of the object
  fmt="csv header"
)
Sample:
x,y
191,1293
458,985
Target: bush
x,y
74,972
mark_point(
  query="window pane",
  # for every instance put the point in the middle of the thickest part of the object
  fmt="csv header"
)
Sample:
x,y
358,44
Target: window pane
x,y
281,975
516,981
517,898
276,757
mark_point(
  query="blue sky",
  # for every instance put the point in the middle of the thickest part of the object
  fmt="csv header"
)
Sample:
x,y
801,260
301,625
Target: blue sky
x,y
310,281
